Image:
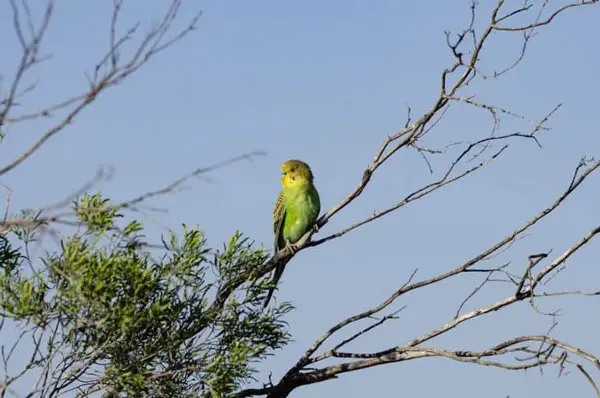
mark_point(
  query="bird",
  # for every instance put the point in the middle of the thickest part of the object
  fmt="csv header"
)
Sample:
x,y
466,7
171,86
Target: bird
x,y
296,210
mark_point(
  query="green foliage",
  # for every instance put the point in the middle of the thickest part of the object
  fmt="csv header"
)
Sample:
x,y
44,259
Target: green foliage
x,y
20,296
95,211
141,315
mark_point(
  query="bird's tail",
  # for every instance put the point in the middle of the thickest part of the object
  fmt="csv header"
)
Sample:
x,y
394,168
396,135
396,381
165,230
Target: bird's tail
x,y
278,272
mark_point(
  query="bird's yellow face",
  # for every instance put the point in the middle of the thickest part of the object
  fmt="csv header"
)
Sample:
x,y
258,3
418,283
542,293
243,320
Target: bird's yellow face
x,y
295,173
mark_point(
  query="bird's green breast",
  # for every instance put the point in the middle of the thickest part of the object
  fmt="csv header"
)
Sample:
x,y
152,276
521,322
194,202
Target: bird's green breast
x,y
302,207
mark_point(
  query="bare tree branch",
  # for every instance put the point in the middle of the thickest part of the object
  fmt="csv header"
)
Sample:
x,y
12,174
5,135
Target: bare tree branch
x,y
153,43
524,284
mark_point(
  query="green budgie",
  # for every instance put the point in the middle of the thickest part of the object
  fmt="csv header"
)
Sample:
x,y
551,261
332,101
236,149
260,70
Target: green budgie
x,y
296,210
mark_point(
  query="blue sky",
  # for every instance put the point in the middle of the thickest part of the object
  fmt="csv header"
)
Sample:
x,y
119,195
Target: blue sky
x,y
326,82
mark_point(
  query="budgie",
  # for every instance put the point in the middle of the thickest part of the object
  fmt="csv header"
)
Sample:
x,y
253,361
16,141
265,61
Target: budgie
x,y
296,210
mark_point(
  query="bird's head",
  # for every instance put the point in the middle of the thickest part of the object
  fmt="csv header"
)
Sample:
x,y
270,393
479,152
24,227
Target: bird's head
x,y
295,173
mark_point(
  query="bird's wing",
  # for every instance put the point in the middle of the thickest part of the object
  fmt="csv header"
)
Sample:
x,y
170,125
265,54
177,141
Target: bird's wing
x,y
278,218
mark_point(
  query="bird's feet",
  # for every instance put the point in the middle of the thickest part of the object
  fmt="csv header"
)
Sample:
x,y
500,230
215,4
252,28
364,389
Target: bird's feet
x,y
316,228
290,247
